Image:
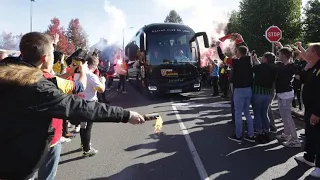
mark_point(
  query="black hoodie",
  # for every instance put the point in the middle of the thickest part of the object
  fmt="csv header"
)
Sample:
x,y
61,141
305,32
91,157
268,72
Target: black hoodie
x,y
242,76
285,77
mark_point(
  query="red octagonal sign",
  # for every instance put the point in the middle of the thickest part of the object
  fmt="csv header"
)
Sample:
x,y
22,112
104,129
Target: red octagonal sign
x,y
273,34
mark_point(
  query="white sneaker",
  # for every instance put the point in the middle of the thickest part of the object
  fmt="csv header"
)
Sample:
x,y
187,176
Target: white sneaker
x,y
302,159
77,129
315,173
64,140
283,137
292,143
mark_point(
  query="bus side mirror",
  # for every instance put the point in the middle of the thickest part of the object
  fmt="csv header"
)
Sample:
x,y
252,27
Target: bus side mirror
x,y
143,42
204,36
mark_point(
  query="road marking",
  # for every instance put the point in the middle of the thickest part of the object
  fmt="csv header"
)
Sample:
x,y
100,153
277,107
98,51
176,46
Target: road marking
x,y
195,156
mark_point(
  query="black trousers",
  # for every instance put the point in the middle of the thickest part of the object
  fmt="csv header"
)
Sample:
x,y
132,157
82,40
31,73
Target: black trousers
x,y
85,136
65,128
214,82
122,81
312,144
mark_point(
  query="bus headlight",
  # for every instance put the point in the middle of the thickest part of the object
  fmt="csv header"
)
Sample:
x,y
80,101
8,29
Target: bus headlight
x,y
197,85
152,88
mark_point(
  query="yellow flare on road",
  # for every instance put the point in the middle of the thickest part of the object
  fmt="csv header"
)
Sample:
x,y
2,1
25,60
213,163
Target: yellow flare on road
x,y
158,125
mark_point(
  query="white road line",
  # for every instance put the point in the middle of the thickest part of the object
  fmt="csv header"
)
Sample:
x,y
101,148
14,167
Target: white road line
x,y
195,156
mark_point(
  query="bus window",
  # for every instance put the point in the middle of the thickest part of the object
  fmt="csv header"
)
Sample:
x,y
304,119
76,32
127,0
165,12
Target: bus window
x,y
172,47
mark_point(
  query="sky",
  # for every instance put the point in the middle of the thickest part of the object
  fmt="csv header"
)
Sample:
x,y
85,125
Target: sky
x,y
109,18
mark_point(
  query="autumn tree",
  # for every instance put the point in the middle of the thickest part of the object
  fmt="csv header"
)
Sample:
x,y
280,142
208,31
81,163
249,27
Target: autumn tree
x,y
55,28
173,17
9,41
312,21
76,34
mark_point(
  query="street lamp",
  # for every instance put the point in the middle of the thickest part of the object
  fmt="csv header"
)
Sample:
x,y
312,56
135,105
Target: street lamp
x,y
123,39
31,2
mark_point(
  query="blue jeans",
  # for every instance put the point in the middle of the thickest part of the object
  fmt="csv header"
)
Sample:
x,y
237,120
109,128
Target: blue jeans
x,y
48,169
260,105
242,99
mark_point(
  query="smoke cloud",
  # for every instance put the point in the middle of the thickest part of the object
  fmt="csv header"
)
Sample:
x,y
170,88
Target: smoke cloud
x,y
117,22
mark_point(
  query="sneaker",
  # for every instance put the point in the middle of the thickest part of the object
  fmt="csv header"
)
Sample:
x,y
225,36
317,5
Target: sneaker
x,y
108,88
303,160
124,92
266,137
64,140
117,90
292,143
90,153
302,135
235,138
315,173
262,138
250,138
283,137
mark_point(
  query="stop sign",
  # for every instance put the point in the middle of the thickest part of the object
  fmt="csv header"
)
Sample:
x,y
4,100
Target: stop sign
x,y
273,34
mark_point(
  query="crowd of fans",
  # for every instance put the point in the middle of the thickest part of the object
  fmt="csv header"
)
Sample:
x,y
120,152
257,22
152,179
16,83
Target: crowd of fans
x,y
290,76
41,85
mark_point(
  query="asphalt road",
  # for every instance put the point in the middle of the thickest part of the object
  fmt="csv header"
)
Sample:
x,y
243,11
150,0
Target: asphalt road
x,y
192,146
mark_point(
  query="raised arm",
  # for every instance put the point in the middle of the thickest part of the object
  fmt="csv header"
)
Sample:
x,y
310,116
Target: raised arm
x,y
51,102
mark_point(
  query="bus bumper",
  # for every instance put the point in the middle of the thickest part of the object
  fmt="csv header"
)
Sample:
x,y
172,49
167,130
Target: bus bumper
x,y
190,87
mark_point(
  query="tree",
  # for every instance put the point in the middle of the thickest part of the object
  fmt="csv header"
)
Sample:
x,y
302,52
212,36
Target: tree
x,y
255,16
9,41
173,17
234,23
76,34
311,23
55,28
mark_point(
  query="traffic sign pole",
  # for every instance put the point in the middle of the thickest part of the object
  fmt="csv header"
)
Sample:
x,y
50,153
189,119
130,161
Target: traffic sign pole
x,y
272,48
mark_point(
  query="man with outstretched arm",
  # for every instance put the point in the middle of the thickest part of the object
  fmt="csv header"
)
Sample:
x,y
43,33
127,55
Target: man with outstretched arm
x,y
29,102
242,83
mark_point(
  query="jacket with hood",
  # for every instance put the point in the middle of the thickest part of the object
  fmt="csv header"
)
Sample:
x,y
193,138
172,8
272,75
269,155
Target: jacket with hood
x,y
28,104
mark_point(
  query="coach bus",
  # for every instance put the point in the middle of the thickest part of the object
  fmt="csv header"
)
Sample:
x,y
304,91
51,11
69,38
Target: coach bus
x,y
165,58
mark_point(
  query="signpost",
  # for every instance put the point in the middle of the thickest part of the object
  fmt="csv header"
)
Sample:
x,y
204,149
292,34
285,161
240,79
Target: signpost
x,y
273,34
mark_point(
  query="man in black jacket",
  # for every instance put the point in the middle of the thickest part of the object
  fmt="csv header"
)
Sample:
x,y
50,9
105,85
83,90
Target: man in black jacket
x,y
28,104
242,82
311,98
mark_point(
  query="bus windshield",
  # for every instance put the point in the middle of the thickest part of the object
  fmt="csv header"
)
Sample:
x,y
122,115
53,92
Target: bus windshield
x,y
169,47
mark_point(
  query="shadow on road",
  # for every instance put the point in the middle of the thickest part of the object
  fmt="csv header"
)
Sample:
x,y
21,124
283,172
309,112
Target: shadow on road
x,y
222,158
